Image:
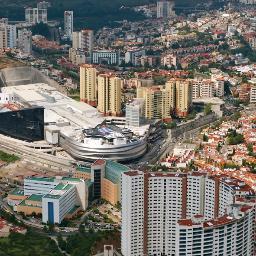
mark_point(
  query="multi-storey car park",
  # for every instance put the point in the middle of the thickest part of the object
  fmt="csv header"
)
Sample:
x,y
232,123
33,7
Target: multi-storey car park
x,y
183,214
77,127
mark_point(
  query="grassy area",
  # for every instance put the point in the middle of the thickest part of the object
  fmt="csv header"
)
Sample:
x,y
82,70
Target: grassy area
x,y
86,244
8,157
27,245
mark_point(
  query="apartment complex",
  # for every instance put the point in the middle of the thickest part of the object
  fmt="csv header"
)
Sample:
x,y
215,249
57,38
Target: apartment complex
x,y
35,15
68,24
163,101
109,94
185,214
88,84
24,41
165,8
207,88
8,34
83,39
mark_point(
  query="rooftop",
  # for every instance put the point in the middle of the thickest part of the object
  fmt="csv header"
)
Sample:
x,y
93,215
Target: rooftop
x,y
35,198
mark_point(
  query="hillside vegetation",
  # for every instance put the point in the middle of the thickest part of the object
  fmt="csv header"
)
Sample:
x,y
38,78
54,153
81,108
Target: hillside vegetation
x,y
88,13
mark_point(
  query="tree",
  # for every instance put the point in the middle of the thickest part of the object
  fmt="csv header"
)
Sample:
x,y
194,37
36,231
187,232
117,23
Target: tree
x,y
205,137
41,29
208,109
234,138
159,80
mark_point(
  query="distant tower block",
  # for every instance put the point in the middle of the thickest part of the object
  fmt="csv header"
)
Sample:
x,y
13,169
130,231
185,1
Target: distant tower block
x,y
165,8
108,250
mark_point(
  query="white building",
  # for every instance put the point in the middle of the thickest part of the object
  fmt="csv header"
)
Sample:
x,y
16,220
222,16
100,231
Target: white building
x,y
68,24
105,57
207,88
6,98
154,205
169,60
134,112
58,202
8,34
132,56
25,40
165,8
60,195
35,15
39,185
253,94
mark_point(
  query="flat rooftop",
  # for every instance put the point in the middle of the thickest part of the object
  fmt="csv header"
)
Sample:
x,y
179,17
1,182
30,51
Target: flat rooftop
x,y
59,109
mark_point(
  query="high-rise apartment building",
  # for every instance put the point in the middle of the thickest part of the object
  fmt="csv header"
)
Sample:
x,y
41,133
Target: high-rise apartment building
x,y
68,24
8,34
83,39
76,40
163,101
88,84
183,88
3,37
43,5
109,94
165,8
87,40
35,15
185,214
159,101
134,113
25,40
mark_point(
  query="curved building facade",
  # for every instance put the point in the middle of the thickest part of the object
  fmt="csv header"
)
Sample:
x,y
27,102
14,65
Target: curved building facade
x,y
186,214
93,151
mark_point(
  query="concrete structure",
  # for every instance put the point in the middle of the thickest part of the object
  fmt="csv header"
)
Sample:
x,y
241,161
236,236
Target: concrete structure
x,y
54,197
76,40
217,105
185,214
88,84
87,40
68,24
134,114
161,102
8,34
132,56
109,94
165,8
253,92
82,131
58,203
207,88
35,15
105,177
109,57
183,97
169,60
25,41
77,56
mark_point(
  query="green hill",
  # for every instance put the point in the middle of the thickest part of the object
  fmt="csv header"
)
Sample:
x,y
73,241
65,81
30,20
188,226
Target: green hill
x,y
90,13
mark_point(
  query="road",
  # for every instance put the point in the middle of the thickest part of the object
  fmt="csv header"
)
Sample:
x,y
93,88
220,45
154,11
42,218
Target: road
x,y
35,156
